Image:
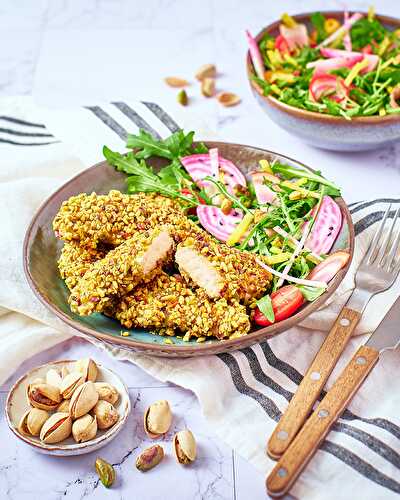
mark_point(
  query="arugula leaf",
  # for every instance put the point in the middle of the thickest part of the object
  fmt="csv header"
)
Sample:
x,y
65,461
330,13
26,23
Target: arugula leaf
x,y
265,306
311,293
290,172
127,163
318,21
265,86
364,31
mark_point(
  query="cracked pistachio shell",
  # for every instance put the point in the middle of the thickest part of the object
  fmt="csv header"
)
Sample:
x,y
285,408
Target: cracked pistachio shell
x,y
63,406
44,396
70,383
64,371
53,378
88,368
149,458
157,419
106,414
184,446
84,429
107,392
32,421
56,428
83,400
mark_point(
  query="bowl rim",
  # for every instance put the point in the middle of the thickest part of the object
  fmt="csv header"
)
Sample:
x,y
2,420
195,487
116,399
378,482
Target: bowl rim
x,y
70,448
198,349
314,115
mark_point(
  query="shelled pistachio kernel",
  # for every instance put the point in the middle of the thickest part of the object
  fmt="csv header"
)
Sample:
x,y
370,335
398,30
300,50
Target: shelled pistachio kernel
x,y
149,458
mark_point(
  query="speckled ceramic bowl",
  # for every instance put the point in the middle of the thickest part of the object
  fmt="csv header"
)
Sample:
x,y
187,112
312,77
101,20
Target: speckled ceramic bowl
x,y
42,249
327,131
17,405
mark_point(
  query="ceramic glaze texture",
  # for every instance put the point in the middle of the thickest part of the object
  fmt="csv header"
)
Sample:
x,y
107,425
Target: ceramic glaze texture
x,y
43,275
327,131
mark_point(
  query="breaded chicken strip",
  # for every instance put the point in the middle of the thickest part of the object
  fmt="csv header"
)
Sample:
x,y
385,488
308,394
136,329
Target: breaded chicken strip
x,y
221,271
113,218
167,303
136,260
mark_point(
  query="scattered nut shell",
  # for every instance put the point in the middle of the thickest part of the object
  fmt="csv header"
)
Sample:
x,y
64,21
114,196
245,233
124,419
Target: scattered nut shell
x,y
149,458
208,87
105,472
43,396
53,378
56,428
88,368
83,400
157,419
32,421
107,392
70,383
182,98
174,81
184,446
228,99
106,414
84,429
206,71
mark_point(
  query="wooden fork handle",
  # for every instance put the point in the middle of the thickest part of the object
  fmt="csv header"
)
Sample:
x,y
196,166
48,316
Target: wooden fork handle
x,y
317,426
313,382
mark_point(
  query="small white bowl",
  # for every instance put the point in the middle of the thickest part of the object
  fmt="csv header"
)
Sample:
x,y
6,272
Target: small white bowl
x,y
17,405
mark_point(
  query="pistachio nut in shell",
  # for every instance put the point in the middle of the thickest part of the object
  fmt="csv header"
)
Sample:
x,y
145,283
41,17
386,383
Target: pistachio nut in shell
x,y
56,428
157,419
88,368
206,71
84,428
63,406
105,472
44,396
83,400
32,421
70,383
106,414
184,446
53,378
107,392
149,458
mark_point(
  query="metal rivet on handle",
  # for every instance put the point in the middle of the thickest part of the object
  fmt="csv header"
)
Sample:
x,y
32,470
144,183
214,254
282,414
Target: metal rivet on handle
x,y
323,413
344,322
361,360
282,472
315,376
283,435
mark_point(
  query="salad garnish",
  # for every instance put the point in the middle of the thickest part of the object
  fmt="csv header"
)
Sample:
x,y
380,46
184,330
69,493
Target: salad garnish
x,y
346,69
285,215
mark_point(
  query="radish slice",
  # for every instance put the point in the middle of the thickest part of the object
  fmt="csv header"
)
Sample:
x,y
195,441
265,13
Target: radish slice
x,y
292,279
264,194
326,227
322,66
342,30
216,222
347,37
199,166
373,59
394,97
328,86
328,269
255,55
296,36
214,162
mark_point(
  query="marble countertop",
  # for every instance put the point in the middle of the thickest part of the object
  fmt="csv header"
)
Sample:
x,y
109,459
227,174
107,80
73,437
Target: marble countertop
x,y
69,52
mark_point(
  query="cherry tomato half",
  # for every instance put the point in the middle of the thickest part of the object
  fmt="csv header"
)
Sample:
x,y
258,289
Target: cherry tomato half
x,y
285,302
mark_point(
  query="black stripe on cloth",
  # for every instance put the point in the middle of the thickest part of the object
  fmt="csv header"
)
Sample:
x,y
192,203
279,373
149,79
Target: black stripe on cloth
x,y
369,220
137,119
163,116
26,134
353,204
366,439
15,143
109,121
367,204
18,121
346,456
296,377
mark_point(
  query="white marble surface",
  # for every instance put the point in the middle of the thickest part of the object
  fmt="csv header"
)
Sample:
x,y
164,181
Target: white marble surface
x,y
68,52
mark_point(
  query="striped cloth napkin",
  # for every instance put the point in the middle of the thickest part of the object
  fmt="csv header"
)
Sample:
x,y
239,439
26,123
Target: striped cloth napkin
x,y
243,393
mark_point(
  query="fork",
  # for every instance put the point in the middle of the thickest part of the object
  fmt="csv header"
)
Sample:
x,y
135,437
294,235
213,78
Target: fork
x,y
374,275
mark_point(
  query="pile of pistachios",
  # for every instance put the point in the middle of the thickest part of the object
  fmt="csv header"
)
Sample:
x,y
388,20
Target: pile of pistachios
x,y
68,402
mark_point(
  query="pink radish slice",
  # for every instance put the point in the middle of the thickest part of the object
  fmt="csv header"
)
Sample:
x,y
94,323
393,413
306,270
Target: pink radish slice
x,y
296,36
322,66
342,30
326,227
198,166
216,222
394,97
328,86
264,194
347,37
214,162
255,55
373,59
328,268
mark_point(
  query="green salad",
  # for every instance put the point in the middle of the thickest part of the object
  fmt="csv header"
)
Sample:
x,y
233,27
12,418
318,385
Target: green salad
x,y
348,69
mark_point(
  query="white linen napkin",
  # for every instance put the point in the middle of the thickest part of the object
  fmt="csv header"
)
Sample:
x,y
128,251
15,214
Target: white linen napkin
x,y
242,394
